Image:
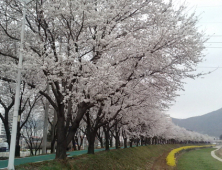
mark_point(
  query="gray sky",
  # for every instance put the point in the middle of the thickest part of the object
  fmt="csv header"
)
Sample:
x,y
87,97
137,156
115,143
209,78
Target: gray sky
x,y
204,95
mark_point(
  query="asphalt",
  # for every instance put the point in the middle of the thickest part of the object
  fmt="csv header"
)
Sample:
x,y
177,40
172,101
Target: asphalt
x,y
214,155
40,158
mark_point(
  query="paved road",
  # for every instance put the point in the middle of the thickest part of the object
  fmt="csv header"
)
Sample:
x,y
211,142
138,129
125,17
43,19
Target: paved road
x,y
214,155
18,161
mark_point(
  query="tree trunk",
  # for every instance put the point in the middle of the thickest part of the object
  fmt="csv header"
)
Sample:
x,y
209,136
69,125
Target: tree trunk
x,y
153,141
117,141
107,145
53,146
131,142
31,151
74,144
80,142
17,150
111,141
101,142
45,126
7,129
106,131
91,140
141,141
125,142
53,139
61,138
17,146
8,135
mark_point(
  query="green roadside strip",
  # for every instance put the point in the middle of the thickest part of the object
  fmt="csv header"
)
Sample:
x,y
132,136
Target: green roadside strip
x,y
198,159
40,158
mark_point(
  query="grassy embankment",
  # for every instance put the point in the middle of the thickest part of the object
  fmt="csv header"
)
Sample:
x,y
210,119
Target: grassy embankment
x,y
171,158
198,159
131,158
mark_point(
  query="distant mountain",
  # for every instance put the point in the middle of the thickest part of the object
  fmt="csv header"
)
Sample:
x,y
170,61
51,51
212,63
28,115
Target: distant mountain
x,y
210,123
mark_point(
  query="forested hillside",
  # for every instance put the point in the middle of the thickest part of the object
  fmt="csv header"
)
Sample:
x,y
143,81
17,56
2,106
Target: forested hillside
x,y
210,123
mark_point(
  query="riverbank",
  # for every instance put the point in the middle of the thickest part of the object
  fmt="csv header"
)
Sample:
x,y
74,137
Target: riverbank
x,y
143,157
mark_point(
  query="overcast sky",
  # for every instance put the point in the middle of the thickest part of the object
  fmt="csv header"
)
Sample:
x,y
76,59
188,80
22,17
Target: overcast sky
x,y
204,95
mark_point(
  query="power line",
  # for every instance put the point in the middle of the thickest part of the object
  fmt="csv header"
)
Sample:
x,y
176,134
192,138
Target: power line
x,y
212,22
213,35
213,42
213,47
209,67
218,6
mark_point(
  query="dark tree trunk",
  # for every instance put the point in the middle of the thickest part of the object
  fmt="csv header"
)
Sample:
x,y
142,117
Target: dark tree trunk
x,y
82,108
90,134
17,146
141,139
91,140
61,136
145,141
111,141
107,136
153,141
5,121
117,141
101,142
6,126
91,147
31,151
131,142
74,144
81,142
137,142
125,142
107,144
53,139
8,135
17,150
52,146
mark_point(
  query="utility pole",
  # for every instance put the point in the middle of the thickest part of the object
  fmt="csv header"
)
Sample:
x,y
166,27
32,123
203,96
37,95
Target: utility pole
x,y
17,94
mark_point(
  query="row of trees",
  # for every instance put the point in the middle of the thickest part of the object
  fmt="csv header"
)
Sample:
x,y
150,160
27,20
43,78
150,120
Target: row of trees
x,y
142,130
108,64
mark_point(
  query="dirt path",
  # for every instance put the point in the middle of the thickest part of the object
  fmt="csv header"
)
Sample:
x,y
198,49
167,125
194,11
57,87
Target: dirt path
x,y
160,163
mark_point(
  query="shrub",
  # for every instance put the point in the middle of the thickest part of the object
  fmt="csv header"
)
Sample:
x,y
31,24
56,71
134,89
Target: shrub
x,y
171,159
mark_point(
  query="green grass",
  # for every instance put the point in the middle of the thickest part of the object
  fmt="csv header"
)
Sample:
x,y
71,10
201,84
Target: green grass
x,y
137,158
200,159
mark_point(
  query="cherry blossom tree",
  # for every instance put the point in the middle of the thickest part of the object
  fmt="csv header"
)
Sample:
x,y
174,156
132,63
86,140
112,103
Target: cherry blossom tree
x,y
90,52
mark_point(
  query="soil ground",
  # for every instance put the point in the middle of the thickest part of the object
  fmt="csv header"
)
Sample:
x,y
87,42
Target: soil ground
x,y
160,163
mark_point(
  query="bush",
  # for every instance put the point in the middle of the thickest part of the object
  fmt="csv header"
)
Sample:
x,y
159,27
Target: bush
x,y
171,159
